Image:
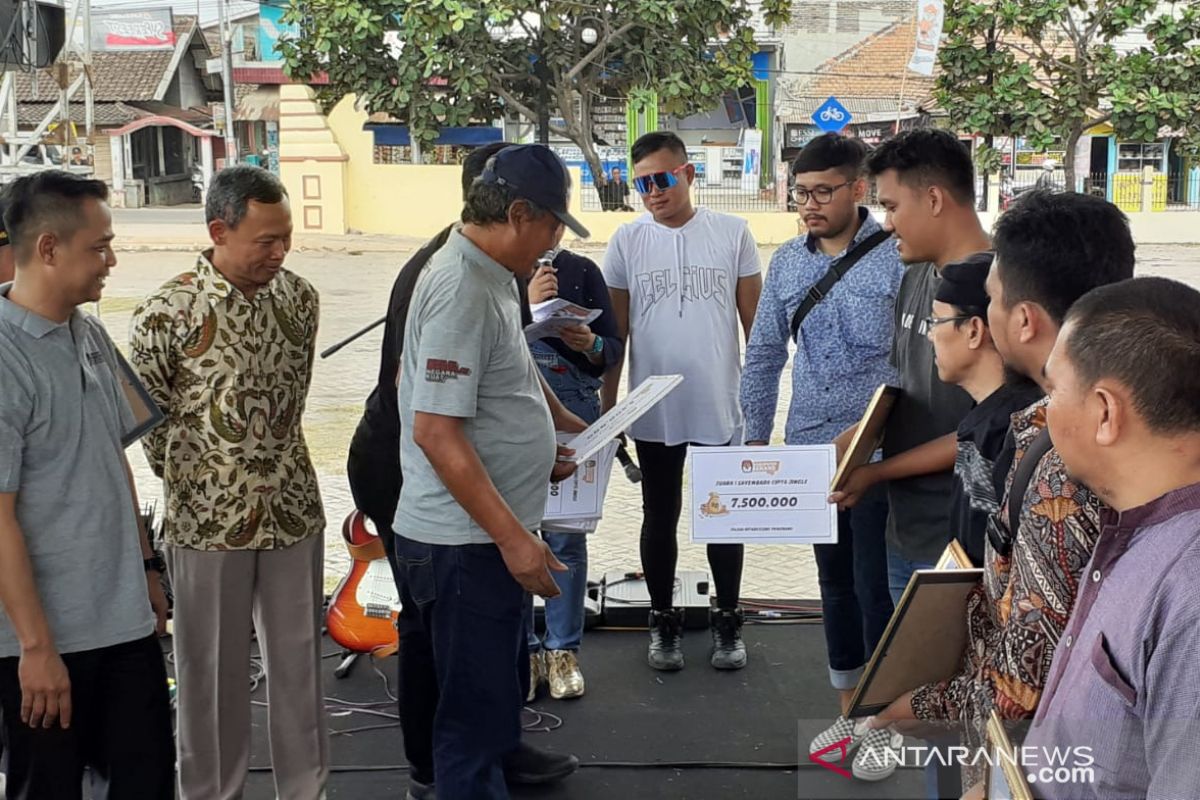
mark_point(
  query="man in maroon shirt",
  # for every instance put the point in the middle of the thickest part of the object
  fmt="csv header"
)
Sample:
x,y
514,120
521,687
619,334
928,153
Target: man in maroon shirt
x,y
1123,378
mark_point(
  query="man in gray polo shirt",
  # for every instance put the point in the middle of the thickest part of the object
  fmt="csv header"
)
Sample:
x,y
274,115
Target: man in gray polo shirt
x,y
82,680
477,449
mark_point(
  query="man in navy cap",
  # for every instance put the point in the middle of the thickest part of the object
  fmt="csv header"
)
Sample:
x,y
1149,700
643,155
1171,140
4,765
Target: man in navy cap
x,y
478,447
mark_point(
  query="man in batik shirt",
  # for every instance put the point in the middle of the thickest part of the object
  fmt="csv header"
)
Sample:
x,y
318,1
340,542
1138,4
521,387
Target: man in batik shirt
x,y
226,350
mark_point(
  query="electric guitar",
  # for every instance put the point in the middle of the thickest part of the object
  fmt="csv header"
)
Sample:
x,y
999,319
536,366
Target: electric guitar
x,y
364,606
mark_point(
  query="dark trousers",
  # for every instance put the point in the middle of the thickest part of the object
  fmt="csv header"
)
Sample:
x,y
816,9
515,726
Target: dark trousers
x,y
376,491
120,729
471,608
662,502
853,576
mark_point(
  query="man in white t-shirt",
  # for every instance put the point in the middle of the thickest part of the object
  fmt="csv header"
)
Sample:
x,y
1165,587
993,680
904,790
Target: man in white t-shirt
x,y
681,279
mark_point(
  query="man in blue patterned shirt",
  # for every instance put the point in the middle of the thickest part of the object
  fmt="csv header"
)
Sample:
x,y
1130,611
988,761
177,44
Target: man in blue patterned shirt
x,y
841,357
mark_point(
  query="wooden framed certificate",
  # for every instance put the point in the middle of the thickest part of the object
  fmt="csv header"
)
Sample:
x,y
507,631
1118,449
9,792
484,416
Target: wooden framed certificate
x,y
954,557
146,413
1004,778
923,642
868,436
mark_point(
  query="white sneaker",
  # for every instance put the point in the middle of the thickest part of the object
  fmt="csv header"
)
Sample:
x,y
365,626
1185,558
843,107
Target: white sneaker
x,y
537,674
840,730
878,755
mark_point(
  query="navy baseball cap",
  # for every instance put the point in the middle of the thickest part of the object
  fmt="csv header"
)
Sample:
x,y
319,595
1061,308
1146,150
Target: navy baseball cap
x,y
534,173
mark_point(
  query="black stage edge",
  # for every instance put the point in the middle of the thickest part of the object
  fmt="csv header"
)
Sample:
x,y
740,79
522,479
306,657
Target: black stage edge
x,y
766,713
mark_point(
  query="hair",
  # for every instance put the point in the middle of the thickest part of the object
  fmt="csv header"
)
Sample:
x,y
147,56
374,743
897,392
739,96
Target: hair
x,y
650,143
50,201
928,157
234,187
1145,333
475,162
489,203
1053,248
832,151
970,312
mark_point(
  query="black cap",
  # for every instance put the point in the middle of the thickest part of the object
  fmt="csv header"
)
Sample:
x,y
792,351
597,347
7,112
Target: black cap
x,y
534,173
962,284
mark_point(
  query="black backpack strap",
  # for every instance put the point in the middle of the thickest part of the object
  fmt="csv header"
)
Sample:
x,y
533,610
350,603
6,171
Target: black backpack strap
x,y
837,270
1021,478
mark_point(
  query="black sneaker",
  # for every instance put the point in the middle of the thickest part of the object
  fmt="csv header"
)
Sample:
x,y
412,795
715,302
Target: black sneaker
x,y
529,766
666,634
729,651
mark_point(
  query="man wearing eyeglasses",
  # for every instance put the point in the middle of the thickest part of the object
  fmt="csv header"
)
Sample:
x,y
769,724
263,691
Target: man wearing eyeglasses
x,y
681,278
841,357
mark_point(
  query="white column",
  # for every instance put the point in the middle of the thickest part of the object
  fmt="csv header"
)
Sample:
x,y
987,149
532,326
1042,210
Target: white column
x,y
206,164
117,145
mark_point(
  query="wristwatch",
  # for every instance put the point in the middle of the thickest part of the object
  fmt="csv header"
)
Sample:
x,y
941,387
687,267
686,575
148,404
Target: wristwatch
x,y
155,563
597,346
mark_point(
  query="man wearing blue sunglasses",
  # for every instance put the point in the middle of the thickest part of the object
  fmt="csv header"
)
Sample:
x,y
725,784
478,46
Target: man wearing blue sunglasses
x,y
681,279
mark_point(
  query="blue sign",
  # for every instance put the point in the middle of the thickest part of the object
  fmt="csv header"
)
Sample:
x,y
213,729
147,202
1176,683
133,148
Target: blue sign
x,y
832,116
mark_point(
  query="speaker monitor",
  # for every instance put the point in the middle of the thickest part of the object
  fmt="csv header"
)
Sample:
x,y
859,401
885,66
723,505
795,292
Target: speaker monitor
x,y
35,33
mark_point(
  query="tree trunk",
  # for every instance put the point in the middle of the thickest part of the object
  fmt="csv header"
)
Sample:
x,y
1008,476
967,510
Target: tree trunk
x,y
1072,185
579,130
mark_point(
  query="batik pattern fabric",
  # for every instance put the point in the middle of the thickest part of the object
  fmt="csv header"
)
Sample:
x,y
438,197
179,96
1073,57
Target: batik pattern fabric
x,y
232,374
1017,615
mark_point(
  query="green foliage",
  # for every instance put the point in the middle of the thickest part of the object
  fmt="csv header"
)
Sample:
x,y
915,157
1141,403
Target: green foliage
x,y
1048,70
453,61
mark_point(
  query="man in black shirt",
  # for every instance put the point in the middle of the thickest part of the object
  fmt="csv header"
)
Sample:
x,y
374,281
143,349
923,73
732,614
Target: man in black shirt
x,y
967,357
373,469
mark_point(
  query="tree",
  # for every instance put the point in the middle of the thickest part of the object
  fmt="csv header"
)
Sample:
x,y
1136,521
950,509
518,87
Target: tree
x,y
435,63
1049,70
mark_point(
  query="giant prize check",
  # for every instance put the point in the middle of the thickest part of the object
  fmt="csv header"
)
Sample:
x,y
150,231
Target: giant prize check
x,y
763,495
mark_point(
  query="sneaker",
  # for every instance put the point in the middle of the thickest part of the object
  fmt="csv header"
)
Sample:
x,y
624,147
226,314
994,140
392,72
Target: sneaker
x,y
666,633
878,755
839,731
529,766
537,674
420,791
566,679
728,651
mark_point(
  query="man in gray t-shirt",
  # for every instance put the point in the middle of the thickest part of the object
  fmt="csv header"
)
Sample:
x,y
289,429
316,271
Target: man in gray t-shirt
x,y
477,450
82,679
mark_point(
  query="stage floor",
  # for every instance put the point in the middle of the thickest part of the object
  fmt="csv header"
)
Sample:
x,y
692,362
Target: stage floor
x,y
671,723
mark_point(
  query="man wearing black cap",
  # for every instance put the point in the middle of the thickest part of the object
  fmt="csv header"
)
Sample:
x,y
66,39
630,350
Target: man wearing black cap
x,y
478,447
967,357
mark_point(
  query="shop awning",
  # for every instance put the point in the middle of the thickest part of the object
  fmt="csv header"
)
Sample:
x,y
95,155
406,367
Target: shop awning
x,y
470,136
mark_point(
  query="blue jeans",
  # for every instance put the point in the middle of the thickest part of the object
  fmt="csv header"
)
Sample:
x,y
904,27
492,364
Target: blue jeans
x,y
564,614
472,608
900,570
853,576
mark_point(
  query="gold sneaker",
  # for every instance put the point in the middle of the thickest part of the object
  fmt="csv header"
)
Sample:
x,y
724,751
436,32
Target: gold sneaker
x,y
566,679
537,674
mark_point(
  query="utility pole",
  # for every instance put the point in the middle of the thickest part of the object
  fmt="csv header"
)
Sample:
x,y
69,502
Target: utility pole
x,y
231,147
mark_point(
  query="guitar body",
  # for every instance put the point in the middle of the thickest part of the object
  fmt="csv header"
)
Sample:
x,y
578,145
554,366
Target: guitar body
x,y
364,606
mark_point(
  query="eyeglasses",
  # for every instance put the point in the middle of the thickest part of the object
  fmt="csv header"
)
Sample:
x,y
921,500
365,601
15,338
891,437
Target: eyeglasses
x,y
933,322
822,194
646,184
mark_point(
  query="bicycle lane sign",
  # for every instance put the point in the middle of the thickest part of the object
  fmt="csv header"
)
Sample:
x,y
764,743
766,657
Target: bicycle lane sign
x,y
832,116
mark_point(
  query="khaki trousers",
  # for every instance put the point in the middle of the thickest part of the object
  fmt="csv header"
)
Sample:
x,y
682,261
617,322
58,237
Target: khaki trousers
x,y
218,595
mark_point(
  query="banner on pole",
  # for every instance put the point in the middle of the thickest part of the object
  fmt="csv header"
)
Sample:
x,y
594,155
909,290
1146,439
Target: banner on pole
x,y
930,16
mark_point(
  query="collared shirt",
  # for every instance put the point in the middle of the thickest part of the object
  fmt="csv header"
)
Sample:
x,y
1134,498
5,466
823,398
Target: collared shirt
x,y
843,344
232,374
465,356
1015,619
63,415
1123,682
